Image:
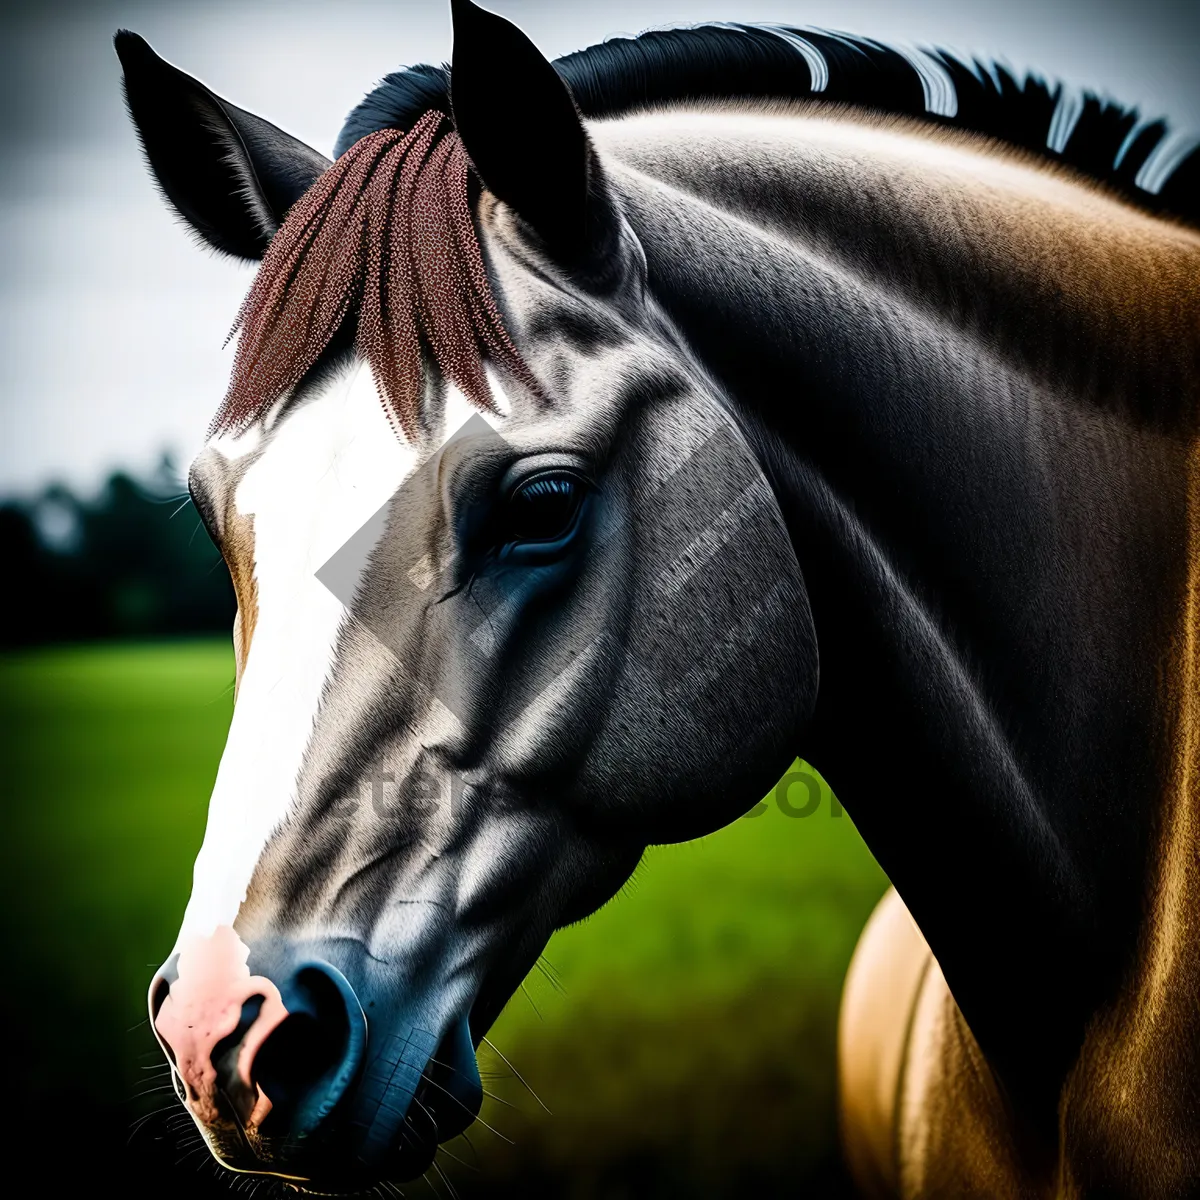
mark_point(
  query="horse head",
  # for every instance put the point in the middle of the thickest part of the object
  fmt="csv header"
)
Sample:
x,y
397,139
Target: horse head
x,y
515,600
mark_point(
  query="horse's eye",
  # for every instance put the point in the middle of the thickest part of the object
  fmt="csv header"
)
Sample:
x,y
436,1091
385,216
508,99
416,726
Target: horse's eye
x,y
544,508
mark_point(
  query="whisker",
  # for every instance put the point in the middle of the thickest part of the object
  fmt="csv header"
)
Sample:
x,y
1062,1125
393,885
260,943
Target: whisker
x,y
490,1095
532,1004
496,1050
432,1118
446,1066
445,1182
408,1131
496,1132
180,1161
470,1146
462,1162
137,1124
467,1110
225,692
550,978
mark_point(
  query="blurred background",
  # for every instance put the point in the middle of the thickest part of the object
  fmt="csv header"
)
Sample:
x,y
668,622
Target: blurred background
x,y
681,1040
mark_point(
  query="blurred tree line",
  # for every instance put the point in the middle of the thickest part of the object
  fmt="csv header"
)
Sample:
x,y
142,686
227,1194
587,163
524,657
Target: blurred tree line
x,y
135,561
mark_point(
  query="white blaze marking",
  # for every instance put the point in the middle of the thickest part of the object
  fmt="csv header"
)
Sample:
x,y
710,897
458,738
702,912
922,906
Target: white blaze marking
x,y
329,466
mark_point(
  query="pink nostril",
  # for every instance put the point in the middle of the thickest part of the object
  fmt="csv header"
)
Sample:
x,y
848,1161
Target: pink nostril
x,y
207,1003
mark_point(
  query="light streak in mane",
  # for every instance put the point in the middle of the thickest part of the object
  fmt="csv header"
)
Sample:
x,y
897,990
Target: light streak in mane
x,y
387,230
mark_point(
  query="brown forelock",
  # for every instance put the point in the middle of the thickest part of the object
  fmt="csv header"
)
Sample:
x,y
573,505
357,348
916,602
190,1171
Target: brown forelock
x,y
386,229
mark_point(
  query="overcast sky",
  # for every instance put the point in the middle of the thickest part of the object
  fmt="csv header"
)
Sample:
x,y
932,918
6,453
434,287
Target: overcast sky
x,y
113,320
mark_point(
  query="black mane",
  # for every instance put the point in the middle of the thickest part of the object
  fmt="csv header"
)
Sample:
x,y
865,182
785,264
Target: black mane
x,y
1106,141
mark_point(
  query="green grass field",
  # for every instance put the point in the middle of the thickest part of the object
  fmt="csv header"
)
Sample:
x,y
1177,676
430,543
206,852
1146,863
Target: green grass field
x,y
682,1038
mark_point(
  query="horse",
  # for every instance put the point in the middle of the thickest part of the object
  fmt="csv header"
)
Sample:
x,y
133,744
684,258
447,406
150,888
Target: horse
x,y
602,434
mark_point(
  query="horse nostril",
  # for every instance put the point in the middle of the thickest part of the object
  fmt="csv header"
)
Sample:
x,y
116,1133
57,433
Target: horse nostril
x,y
305,1066
273,1052
225,1053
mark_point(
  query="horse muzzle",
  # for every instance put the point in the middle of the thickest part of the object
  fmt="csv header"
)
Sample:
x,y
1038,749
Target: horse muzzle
x,y
286,1075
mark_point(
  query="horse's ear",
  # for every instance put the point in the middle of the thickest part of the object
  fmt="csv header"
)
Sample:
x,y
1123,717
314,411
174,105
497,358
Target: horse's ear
x,y
524,134
231,175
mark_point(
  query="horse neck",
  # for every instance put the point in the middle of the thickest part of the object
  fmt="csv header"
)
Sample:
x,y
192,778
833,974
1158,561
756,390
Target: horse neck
x,y
973,386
